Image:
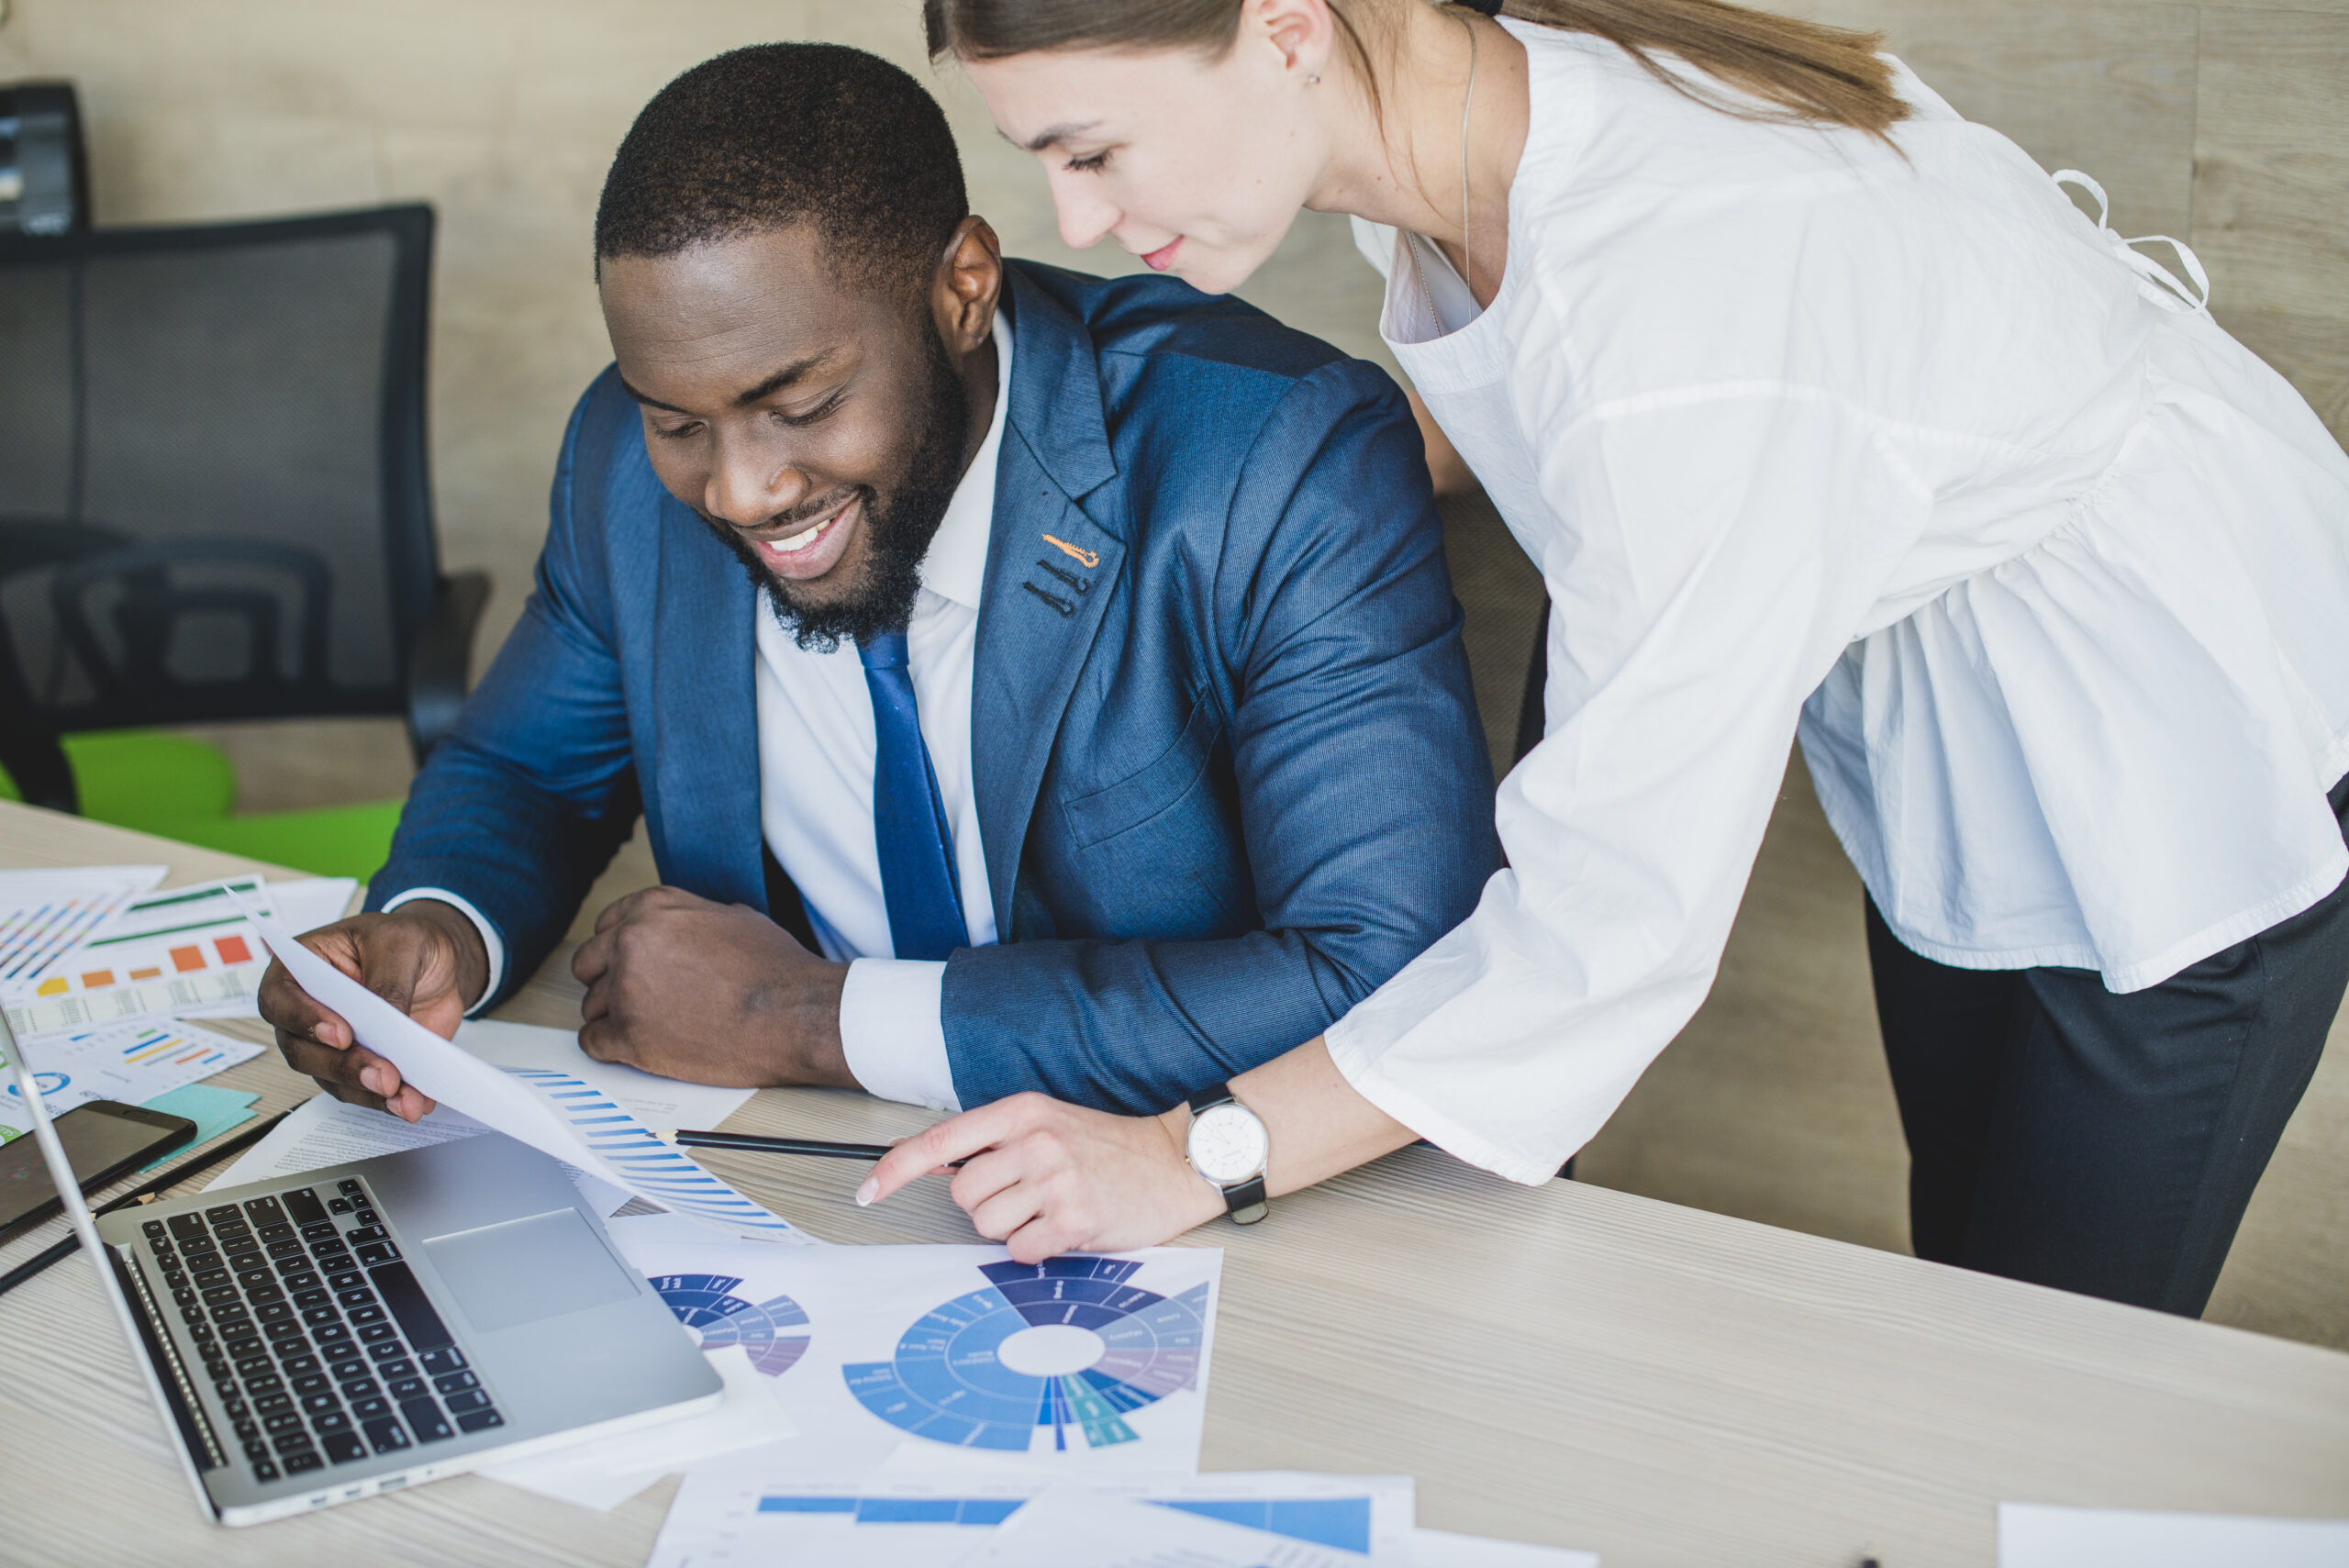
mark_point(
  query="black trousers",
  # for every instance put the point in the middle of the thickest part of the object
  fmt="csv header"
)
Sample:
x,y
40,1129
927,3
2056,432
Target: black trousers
x,y
2109,1145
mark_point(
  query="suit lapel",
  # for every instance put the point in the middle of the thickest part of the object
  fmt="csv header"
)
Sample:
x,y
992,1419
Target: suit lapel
x,y
1053,566
705,717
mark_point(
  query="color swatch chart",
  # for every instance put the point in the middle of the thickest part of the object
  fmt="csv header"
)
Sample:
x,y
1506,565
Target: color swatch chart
x,y
1095,1349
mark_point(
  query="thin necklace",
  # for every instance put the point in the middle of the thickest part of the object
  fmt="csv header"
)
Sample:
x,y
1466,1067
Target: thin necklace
x,y
1468,101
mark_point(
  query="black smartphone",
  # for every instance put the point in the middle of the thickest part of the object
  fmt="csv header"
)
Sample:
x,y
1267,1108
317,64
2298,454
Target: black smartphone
x,y
104,1141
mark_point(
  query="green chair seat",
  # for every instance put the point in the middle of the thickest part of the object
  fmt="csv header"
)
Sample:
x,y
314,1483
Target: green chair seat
x,y
177,788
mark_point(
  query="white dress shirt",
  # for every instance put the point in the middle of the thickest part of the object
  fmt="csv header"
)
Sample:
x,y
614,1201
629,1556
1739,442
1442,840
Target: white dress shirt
x,y
2053,574
816,752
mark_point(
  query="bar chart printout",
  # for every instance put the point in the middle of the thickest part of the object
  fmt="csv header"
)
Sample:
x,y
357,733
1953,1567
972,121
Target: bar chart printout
x,y
43,914
130,1064
183,951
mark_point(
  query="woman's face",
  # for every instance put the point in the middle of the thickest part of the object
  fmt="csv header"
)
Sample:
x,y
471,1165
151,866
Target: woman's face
x,y
1196,166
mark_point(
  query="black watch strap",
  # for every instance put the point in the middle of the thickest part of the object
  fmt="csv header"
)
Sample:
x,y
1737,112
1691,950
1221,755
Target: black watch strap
x,y
1244,1201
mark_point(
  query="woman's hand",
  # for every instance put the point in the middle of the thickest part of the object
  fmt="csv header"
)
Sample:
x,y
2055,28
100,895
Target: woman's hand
x,y
1046,1177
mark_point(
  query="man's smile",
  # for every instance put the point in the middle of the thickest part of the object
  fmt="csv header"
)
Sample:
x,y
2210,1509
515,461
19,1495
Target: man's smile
x,y
811,551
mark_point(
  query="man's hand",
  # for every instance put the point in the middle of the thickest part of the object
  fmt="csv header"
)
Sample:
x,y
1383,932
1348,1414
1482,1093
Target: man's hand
x,y
424,958
709,993
1046,1177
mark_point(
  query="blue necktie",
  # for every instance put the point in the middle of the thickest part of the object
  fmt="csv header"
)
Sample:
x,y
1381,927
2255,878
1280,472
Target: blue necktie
x,y
908,816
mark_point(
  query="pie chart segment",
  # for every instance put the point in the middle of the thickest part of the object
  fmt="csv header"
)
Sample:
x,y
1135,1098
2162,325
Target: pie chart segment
x,y
706,1304
948,1382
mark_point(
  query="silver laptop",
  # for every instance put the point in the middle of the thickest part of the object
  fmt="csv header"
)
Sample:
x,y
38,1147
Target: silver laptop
x,y
317,1339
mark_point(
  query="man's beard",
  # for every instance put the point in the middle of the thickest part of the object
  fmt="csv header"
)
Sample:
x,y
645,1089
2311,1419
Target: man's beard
x,y
898,530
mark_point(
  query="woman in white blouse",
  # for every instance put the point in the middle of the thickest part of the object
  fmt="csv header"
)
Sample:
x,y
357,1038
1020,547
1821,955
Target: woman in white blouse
x,y
1823,412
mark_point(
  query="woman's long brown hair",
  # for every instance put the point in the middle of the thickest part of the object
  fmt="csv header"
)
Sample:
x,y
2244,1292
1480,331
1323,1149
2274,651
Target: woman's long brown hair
x,y
1779,68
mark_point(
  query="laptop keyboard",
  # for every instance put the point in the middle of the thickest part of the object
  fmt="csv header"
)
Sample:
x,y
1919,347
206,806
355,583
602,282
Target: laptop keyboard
x,y
314,1331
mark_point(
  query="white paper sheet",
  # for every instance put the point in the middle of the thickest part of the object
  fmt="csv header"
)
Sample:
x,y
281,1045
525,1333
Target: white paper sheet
x,y
1071,1528
2033,1535
735,1511
1442,1548
307,903
131,1063
930,1359
604,1472
556,1114
663,1104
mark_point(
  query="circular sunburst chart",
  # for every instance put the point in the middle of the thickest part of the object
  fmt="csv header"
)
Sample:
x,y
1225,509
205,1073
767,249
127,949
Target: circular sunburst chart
x,y
1046,1349
704,1304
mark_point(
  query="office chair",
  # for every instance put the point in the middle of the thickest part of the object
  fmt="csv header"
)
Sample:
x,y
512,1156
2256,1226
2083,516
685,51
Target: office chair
x,y
213,506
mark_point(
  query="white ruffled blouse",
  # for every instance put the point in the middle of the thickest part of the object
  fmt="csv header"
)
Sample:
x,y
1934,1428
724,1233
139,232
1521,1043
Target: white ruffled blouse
x,y
1894,449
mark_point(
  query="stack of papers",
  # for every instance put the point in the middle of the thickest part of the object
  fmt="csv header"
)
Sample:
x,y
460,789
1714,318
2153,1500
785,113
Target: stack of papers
x,y
100,974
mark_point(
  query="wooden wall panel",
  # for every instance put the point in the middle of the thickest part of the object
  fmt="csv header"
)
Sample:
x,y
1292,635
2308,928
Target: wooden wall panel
x,y
2271,191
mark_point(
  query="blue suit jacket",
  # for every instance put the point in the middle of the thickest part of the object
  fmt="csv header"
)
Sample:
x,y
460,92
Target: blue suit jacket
x,y
1227,786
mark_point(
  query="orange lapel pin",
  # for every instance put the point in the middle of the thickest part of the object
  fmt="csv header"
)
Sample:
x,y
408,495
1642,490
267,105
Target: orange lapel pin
x,y
1084,556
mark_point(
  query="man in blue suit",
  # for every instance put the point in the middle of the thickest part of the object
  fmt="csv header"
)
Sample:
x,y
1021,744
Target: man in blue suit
x,y
1028,681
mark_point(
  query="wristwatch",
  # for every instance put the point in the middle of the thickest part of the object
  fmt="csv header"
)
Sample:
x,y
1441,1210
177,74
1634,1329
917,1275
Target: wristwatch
x,y
1228,1147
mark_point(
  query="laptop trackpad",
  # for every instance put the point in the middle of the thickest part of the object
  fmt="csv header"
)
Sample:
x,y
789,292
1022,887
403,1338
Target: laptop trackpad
x,y
522,1270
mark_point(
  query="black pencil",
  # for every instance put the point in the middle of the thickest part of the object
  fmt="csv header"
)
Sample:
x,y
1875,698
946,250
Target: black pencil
x,y
759,1143
169,1179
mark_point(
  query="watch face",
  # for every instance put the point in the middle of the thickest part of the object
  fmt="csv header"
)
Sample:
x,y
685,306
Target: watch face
x,y
1228,1144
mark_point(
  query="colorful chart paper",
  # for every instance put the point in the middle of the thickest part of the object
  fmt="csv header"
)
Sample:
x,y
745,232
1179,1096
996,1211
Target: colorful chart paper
x,y
763,1329
43,914
131,1063
958,1356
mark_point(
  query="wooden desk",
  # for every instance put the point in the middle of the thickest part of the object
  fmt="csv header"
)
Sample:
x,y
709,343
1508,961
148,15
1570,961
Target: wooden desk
x,y
1565,1364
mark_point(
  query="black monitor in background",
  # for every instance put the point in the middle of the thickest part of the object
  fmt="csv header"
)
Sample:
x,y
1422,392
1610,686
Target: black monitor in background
x,y
44,176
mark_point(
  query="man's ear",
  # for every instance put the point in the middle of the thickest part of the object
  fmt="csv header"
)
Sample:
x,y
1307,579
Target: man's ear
x,y
968,284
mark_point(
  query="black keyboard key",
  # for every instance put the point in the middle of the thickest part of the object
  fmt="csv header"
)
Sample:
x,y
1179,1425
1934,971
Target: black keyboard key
x,y
194,1316
363,1315
348,1368
295,1266
348,1279
385,1352
220,1213
449,1381
286,1334
246,1428
296,1463
222,1292
326,1331
256,1448
243,1344
264,1470
350,1187
268,1405
344,1447
279,1231
289,1348
152,1228
316,1316
263,1210
299,1366
387,1435
480,1420
357,1296
259,1384
273,1311
407,1387
376,1333
320,1404
302,1207
330,1421
283,1422
248,1279
309,1298
339,1206
397,1285
361,1213
204,1279
442,1358
249,1366
290,1248
314,1383
368,1232
470,1399
376,1254
425,1419
244,1262
367,1409
292,1440
263,1294
360,1388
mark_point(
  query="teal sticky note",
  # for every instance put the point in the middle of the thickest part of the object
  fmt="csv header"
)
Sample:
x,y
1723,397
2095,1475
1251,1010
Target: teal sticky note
x,y
213,1110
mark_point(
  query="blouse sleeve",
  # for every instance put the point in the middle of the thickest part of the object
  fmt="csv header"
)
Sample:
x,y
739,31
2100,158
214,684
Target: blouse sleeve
x,y
1722,544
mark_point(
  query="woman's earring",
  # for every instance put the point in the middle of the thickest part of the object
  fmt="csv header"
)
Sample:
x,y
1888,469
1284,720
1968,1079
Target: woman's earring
x,y
1313,80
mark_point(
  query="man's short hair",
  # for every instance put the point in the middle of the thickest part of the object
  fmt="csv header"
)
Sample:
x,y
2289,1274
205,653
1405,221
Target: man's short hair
x,y
782,134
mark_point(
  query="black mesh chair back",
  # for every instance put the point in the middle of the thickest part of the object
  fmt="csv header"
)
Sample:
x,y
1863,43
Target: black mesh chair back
x,y
213,494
